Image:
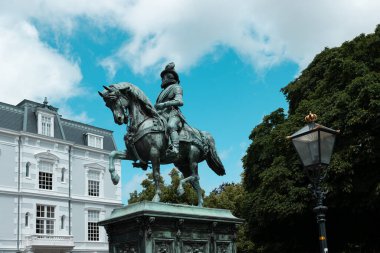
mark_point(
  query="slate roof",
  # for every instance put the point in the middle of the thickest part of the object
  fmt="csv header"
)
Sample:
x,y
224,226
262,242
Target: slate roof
x,y
22,117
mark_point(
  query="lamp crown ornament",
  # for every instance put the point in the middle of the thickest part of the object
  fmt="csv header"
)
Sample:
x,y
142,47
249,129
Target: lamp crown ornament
x,y
311,117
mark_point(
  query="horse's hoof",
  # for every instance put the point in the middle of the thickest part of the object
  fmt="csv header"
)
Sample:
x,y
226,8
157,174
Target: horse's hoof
x,y
180,191
156,198
115,179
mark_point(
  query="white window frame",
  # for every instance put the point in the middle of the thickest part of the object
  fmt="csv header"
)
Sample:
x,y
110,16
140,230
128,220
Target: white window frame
x,y
40,118
94,167
93,220
94,140
102,215
44,170
45,218
49,158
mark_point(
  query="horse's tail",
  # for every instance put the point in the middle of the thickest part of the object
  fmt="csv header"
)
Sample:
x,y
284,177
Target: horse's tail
x,y
212,158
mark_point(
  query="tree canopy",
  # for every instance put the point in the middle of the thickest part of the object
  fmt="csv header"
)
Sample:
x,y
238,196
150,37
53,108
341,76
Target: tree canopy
x,y
342,86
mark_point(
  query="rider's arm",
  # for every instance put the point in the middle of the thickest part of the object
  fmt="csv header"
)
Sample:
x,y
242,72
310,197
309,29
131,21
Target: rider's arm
x,y
177,99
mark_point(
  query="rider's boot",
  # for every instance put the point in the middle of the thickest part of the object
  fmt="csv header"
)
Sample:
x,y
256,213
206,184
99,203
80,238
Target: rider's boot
x,y
174,150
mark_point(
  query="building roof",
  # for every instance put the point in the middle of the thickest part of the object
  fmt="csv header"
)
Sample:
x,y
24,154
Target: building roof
x,y
22,117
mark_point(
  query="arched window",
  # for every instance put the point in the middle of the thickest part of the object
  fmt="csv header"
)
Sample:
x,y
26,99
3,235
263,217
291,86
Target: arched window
x,y
27,169
63,175
27,215
63,221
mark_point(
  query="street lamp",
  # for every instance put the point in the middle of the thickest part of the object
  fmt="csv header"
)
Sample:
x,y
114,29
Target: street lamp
x,y
314,144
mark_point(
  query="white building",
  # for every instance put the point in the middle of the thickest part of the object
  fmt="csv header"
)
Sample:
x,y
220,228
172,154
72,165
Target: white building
x,y
54,181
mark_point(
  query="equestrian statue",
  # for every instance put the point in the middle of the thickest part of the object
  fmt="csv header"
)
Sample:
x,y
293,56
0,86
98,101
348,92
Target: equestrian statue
x,y
160,134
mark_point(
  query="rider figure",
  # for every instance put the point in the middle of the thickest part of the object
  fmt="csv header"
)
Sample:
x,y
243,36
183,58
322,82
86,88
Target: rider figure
x,y
167,105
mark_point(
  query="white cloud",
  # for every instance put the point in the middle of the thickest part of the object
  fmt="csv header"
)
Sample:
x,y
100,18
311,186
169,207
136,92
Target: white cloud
x,y
29,68
68,113
263,33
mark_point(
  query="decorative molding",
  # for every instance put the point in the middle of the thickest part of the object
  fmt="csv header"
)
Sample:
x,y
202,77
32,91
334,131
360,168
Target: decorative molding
x,y
180,223
82,126
11,108
47,156
145,226
94,166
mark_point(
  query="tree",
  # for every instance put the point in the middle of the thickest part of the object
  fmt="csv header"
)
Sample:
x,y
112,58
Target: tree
x,y
231,196
342,86
168,192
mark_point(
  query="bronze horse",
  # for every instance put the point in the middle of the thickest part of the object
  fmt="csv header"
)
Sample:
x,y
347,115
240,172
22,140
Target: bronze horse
x,y
146,140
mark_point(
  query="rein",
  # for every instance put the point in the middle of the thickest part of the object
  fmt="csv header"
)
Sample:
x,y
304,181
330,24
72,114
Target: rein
x,y
133,133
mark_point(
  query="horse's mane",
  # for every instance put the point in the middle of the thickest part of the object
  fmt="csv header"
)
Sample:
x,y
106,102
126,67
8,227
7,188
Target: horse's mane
x,y
138,94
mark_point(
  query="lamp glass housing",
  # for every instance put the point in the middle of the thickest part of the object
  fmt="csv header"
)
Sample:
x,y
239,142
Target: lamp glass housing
x,y
314,144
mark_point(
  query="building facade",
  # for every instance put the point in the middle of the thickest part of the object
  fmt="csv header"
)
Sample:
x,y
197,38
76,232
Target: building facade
x,y
54,185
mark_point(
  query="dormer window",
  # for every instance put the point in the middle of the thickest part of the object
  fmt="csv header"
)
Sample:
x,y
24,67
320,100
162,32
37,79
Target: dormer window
x,y
94,140
45,124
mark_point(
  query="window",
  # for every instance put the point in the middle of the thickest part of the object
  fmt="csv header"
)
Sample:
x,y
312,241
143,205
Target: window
x,y
63,175
93,227
45,219
95,141
93,183
27,169
45,175
27,215
63,221
45,123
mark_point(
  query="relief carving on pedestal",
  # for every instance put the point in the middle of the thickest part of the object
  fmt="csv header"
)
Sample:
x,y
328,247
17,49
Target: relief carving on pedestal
x,y
223,247
163,247
195,247
126,248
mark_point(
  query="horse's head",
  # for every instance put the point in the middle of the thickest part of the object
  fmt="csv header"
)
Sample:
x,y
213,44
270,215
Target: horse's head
x,y
117,102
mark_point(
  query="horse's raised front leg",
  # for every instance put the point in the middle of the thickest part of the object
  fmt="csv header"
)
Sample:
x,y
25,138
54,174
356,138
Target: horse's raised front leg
x,y
155,158
112,156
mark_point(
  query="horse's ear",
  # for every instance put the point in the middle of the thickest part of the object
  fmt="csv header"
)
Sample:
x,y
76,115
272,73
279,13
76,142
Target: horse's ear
x,y
101,94
107,88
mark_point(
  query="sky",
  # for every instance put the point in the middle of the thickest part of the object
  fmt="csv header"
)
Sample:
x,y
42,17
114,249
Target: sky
x,y
232,57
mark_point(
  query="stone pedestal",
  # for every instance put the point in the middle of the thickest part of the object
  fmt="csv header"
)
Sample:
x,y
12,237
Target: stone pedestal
x,y
149,227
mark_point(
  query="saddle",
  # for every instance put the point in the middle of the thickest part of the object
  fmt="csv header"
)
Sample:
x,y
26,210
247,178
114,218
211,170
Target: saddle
x,y
187,134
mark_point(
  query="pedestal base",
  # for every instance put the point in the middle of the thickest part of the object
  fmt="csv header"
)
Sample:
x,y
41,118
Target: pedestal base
x,y
148,227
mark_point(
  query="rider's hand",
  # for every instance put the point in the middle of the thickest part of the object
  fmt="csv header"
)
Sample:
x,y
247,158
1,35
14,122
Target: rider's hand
x,y
159,106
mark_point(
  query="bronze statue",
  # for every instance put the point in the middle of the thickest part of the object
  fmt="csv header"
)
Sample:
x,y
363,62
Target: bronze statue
x,y
167,105
149,130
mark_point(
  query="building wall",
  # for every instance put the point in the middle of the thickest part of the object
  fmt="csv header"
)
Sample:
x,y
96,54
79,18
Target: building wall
x,y
73,189
8,160
8,231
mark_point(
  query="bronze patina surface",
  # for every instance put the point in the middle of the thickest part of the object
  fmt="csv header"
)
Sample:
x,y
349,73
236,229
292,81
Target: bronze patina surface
x,y
148,227
160,134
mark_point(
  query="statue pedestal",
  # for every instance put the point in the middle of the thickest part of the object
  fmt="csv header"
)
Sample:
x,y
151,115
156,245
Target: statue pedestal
x,y
149,227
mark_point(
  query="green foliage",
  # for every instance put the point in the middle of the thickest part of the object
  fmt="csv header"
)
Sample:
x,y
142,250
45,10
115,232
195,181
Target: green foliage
x,y
232,197
342,86
168,192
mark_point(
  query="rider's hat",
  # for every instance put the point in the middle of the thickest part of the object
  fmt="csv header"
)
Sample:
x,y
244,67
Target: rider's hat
x,y
170,69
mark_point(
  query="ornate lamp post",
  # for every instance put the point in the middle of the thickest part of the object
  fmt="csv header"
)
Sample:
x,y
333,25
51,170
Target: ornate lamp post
x,y
314,144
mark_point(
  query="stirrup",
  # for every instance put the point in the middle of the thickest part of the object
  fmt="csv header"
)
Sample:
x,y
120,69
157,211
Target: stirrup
x,y
172,153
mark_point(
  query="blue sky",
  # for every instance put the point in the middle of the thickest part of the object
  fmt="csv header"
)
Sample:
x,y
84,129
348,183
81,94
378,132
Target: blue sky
x,y
232,57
